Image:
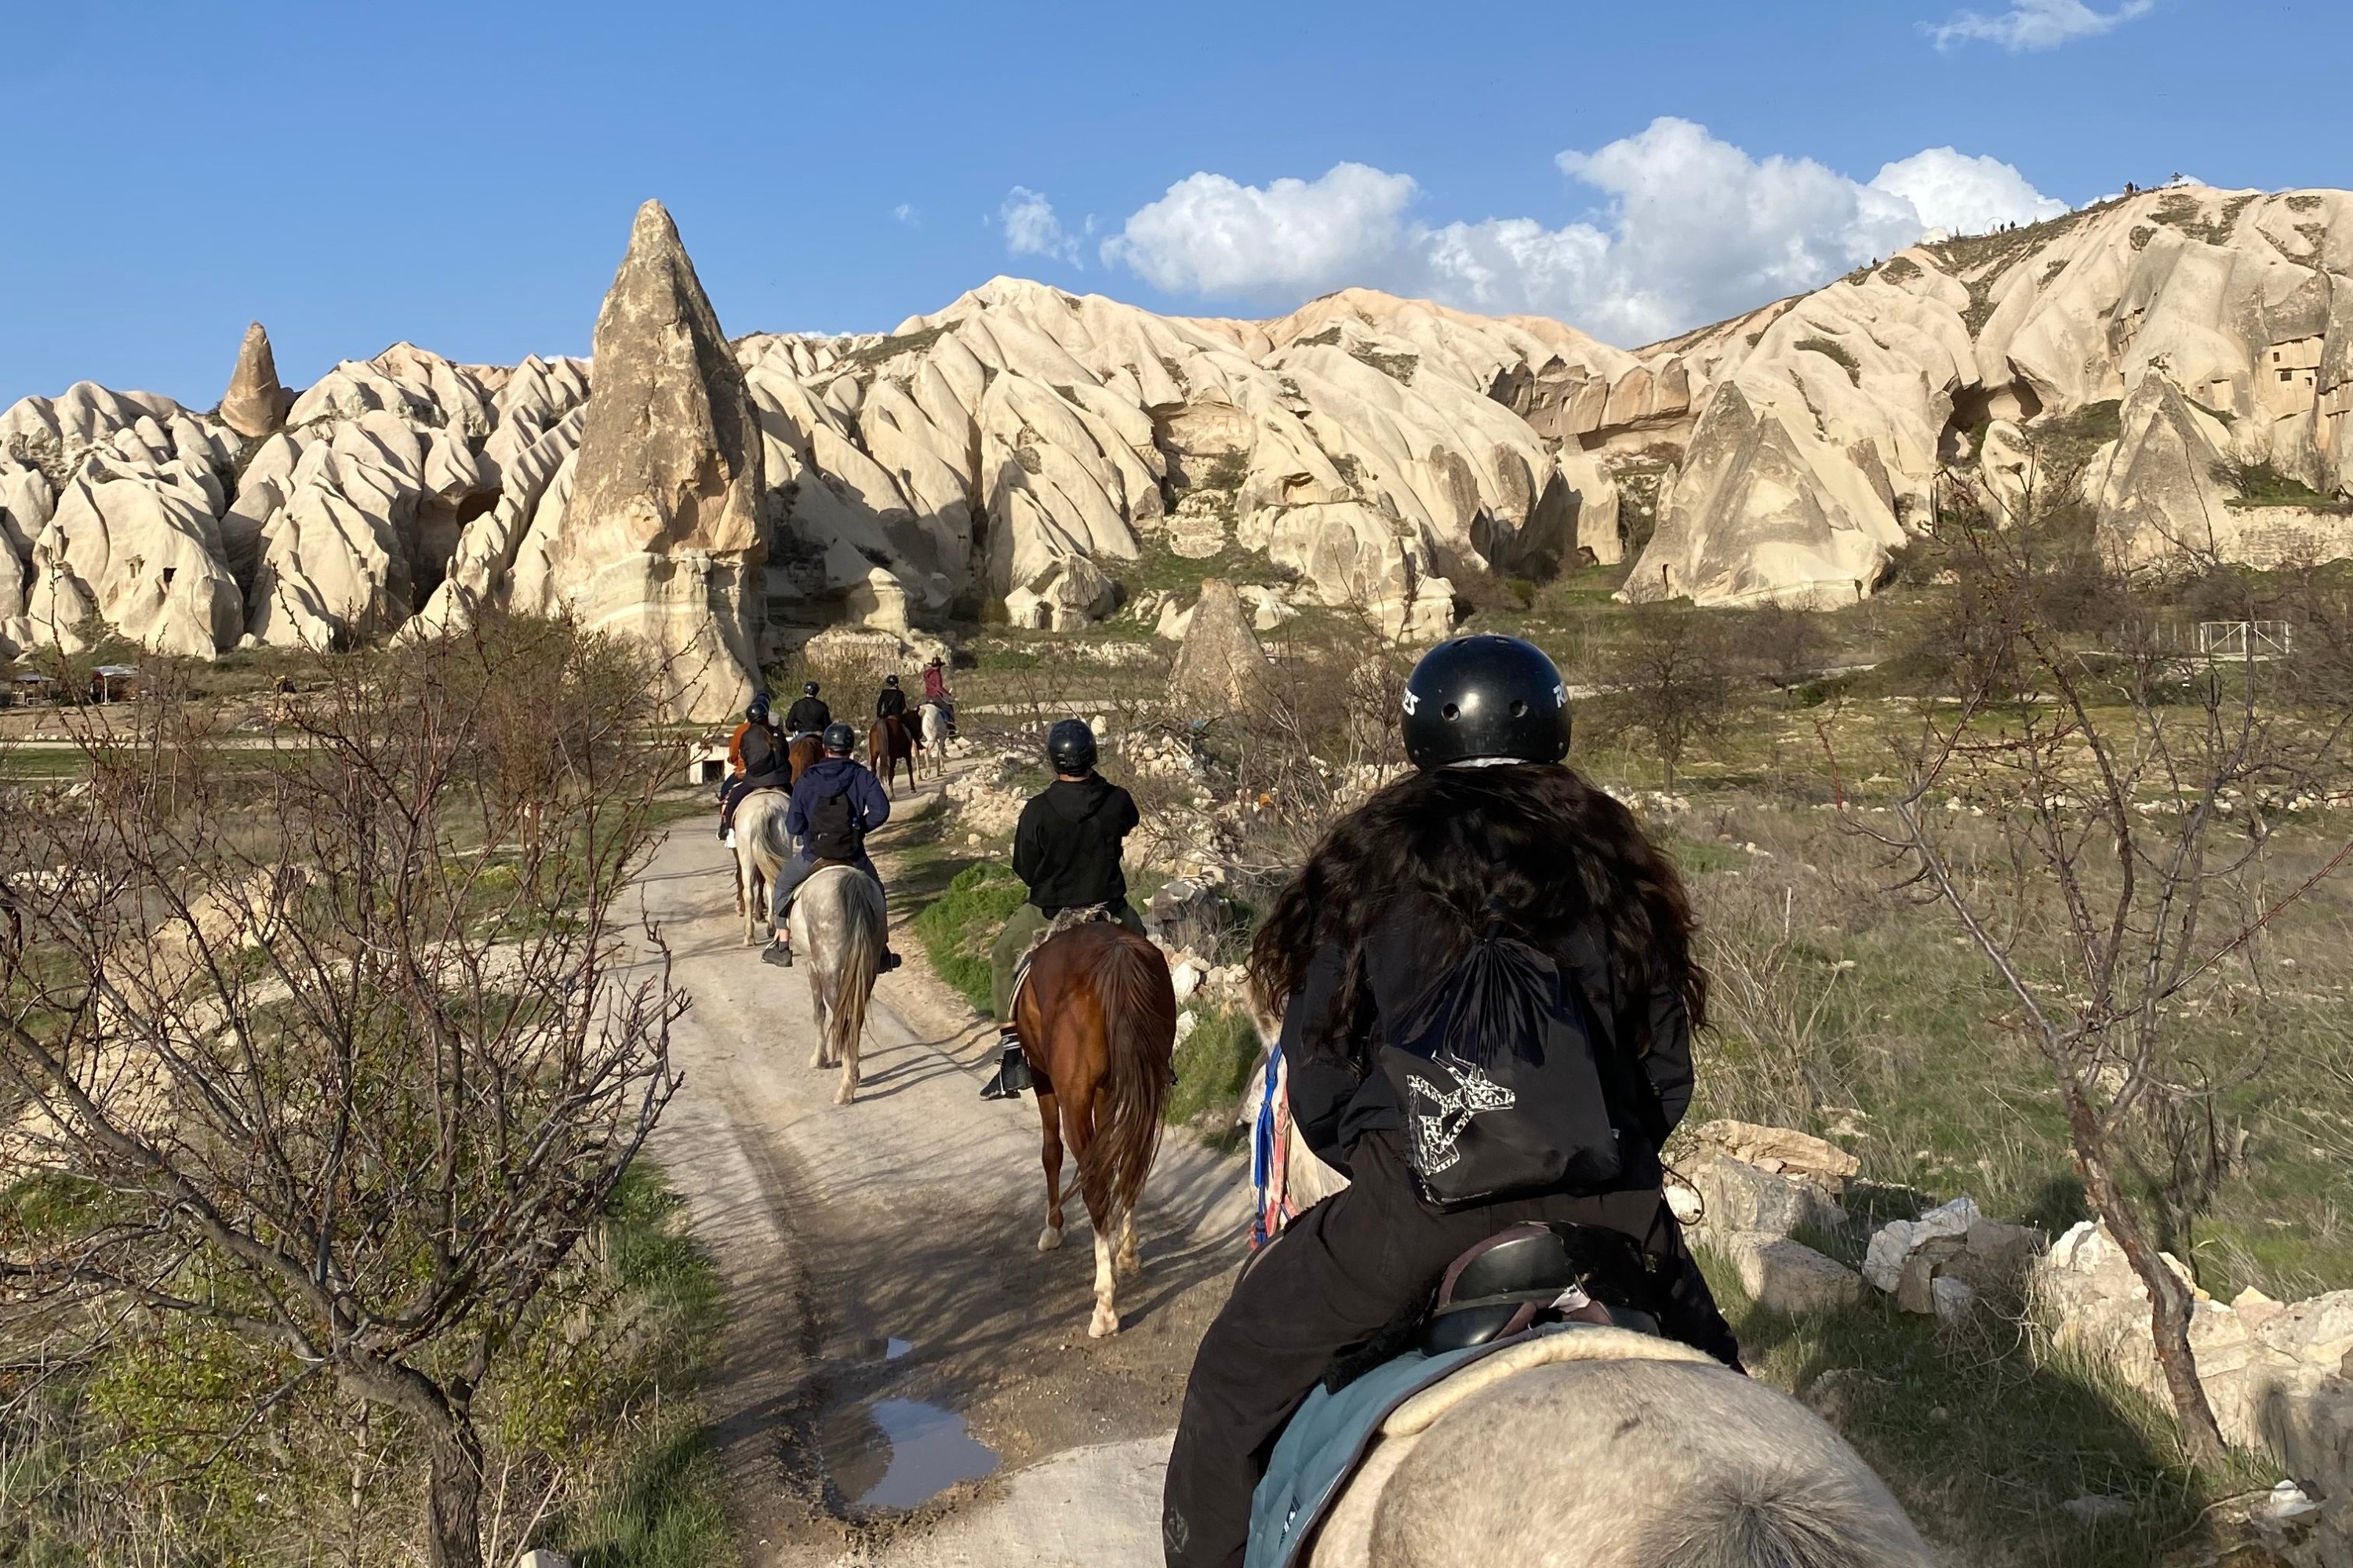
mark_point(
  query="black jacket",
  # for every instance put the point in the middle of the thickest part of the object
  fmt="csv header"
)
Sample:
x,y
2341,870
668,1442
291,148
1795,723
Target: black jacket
x,y
1067,845
1333,1106
890,700
809,715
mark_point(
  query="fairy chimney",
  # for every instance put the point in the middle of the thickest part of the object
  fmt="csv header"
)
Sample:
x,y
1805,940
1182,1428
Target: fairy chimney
x,y
661,538
1219,666
254,404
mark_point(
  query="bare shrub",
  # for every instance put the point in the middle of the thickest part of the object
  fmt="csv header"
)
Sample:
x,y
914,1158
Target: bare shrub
x,y
330,1054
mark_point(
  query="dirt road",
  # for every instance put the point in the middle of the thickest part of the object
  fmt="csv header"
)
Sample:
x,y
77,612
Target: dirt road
x,y
889,1315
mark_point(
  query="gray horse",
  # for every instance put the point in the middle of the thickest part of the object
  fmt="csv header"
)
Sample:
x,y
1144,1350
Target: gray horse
x,y
837,924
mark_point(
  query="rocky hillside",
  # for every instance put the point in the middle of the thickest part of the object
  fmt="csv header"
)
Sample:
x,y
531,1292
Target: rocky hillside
x,y
1023,444
2199,341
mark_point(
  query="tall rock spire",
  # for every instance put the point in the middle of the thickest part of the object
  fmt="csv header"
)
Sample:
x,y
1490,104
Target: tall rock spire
x,y
661,537
254,404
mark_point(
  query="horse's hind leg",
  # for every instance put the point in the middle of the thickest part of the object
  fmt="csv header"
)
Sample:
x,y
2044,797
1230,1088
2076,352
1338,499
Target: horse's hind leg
x,y
1050,1114
823,1058
1125,1260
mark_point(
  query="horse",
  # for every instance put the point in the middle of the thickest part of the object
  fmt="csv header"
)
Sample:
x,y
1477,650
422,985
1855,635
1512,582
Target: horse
x,y
837,925
1602,1448
762,844
1097,1016
1612,1449
887,745
932,735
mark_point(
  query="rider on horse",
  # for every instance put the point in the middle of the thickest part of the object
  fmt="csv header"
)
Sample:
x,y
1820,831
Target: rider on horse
x,y
755,755
1067,848
935,692
1492,846
891,702
808,714
836,804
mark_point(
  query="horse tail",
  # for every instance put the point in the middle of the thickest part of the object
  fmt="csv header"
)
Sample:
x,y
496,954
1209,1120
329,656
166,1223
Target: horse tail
x,y
1129,979
861,958
775,842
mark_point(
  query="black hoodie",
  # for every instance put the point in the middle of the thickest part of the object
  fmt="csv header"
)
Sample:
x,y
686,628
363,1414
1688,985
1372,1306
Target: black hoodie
x,y
1067,847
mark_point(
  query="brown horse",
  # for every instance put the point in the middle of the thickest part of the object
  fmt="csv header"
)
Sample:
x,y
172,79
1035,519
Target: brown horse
x,y
802,754
1098,1020
888,745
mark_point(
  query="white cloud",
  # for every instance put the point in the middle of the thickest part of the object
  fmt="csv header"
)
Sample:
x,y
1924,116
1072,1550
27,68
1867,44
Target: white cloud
x,y
1950,190
1210,235
2038,23
1032,230
1694,230
905,213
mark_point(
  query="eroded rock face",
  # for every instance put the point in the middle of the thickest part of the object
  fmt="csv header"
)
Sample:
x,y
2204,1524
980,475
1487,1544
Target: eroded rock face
x,y
254,404
661,537
2214,325
1219,667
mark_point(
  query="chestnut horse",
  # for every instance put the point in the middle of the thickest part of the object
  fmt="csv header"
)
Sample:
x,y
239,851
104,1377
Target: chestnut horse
x,y
1097,1015
888,744
762,845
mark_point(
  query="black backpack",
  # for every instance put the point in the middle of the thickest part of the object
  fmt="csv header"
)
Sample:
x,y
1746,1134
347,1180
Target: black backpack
x,y
759,750
833,833
1499,1068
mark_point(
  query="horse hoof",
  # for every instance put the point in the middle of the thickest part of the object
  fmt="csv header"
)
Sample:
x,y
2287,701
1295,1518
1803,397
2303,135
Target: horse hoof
x,y
1127,1267
1105,1324
845,1096
1050,1239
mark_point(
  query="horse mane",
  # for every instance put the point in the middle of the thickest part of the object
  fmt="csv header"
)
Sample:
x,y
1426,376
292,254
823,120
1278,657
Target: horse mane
x,y
1129,979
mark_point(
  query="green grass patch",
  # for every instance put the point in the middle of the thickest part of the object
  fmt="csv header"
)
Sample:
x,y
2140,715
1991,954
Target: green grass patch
x,y
1833,351
959,927
1213,1064
2260,485
667,1510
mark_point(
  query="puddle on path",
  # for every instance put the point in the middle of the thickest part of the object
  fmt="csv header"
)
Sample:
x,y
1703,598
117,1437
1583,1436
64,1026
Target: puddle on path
x,y
930,1451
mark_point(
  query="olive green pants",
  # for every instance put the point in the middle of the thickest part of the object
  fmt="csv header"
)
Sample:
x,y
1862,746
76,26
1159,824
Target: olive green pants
x,y
1022,929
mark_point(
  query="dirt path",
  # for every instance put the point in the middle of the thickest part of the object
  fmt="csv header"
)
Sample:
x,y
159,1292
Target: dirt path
x,y
881,1267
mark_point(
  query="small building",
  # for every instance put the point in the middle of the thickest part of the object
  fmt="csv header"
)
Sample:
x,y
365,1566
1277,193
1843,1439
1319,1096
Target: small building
x,y
25,689
114,683
707,764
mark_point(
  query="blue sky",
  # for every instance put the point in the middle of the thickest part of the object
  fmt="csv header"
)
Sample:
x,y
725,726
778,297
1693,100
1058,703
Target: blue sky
x,y
463,174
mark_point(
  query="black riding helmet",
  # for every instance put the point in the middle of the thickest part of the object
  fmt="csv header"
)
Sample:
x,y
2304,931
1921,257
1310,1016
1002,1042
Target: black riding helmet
x,y
890,680
1485,699
759,708
1070,747
840,739
808,688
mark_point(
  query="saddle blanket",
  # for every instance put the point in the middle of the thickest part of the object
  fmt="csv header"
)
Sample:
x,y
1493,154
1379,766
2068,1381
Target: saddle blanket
x,y
1330,1437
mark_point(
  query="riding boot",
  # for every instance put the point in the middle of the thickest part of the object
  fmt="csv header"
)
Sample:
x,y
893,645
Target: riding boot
x,y
1012,1070
779,953
891,960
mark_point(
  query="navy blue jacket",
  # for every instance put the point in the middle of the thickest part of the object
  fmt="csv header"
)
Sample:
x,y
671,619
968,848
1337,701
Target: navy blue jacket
x,y
830,776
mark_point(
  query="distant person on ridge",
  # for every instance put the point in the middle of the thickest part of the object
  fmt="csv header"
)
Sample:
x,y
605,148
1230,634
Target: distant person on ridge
x,y
836,804
1067,848
756,756
808,715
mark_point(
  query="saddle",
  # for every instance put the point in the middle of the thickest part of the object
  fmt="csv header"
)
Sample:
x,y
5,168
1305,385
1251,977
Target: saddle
x,y
1524,1297
1067,920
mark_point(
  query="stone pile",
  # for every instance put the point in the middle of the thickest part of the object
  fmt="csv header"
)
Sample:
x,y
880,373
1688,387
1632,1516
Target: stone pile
x,y
1744,1190
2275,1372
1951,1259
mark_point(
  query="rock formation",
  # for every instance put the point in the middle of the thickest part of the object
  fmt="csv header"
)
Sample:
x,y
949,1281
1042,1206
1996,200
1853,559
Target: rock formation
x,y
660,536
254,404
1041,451
1219,667
2197,330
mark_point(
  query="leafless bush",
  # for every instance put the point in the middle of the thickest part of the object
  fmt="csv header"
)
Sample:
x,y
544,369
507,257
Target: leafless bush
x,y
2135,796
330,1051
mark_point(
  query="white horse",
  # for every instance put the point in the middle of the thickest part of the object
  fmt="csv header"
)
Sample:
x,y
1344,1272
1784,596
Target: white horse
x,y
931,739
1610,1449
1607,1449
838,927
762,847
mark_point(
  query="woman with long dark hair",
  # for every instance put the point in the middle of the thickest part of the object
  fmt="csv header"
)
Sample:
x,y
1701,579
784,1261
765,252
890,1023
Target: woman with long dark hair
x,y
1492,859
